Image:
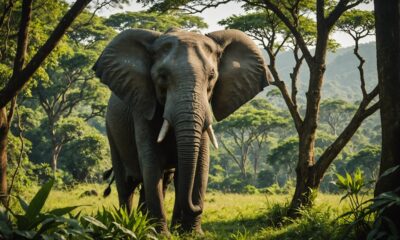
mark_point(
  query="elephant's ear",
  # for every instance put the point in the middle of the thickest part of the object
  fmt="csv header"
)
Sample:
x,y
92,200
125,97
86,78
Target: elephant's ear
x,y
124,66
242,72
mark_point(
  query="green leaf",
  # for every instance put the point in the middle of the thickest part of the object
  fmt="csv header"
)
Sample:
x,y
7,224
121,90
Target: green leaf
x,y
125,230
25,234
38,201
389,171
62,211
5,229
95,222
47,224
23,222
23,204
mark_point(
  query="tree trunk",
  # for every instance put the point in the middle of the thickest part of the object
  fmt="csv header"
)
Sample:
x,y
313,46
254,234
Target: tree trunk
x,y
388,60
255,166
4,128
306,183
305,170
54,158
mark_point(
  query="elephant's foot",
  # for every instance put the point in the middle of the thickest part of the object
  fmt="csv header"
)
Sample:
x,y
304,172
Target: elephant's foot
x,y
162,229
192,225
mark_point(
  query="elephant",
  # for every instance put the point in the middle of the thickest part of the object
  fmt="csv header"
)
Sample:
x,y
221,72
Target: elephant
x,y
167,89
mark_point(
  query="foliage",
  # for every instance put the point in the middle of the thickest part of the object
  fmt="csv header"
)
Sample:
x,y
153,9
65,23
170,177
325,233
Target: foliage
x,y
35,223
336,113
250,189
287,188
368,220
366,159
155,21
316,223
260,214
284,157
119,224
86,156
353,186
382,227
246,132
357,23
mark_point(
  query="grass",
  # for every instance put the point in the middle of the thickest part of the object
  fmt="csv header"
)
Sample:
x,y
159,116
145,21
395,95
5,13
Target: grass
x,y
228,216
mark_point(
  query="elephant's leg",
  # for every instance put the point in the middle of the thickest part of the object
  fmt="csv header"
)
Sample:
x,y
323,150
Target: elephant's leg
x,y
125,185
142,200
167,179
153,191
193,223
152,161
177,211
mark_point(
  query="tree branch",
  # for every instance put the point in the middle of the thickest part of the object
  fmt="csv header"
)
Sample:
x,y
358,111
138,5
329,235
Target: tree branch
x,y
16,83
195,9
7,8
360,68
21,152
298,121
295,74
339,9
336,147
23,35
230,153
299,38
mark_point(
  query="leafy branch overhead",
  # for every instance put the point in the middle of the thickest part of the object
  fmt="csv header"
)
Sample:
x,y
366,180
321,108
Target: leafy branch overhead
x,y
155,21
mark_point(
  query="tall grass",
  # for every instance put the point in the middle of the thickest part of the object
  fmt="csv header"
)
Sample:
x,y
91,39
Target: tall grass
x,y
226,215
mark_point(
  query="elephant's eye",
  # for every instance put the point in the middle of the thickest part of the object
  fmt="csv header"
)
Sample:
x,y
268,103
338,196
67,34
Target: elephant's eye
x,y
211,75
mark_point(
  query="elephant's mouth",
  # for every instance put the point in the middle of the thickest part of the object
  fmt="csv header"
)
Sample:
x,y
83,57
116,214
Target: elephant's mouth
x,y
166,125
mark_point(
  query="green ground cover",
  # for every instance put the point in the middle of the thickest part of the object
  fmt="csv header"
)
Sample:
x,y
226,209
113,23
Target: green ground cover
x,y
228,215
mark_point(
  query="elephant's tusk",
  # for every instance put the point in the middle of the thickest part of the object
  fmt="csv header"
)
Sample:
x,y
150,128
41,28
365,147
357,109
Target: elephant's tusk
x,y
163,131
212,137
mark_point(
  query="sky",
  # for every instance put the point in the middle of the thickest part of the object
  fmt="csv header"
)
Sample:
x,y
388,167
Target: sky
x,y
214,15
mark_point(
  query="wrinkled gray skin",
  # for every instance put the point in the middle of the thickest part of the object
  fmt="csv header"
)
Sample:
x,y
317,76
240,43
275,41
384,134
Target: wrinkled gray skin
x,y
174,76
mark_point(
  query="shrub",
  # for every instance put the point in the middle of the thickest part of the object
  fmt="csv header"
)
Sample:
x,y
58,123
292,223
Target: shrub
x,y
286,189
33,223
353,186
250,189
363,212
119,224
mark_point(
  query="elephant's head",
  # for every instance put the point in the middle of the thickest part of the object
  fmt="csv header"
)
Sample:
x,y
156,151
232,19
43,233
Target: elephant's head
x,y
185,72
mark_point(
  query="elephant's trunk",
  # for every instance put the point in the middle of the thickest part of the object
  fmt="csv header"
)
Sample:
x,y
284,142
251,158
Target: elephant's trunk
x,y
188,125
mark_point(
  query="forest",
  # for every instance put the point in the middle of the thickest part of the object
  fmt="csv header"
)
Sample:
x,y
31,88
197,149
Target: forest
x,y
304,159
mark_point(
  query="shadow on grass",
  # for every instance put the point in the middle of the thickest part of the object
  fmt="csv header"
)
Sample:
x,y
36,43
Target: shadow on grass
x,y
224,228
272,224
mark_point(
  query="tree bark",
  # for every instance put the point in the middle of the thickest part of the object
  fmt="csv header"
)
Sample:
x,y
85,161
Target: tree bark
x,y
387,15
4,128
5,119
55,153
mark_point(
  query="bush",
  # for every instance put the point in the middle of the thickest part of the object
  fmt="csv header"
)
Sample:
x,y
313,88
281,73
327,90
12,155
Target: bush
x,y
366,218
119,224
286,189
33,223
250,189
265,178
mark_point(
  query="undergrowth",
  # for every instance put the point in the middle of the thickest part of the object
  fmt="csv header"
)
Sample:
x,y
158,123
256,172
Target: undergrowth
x,y
69,214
